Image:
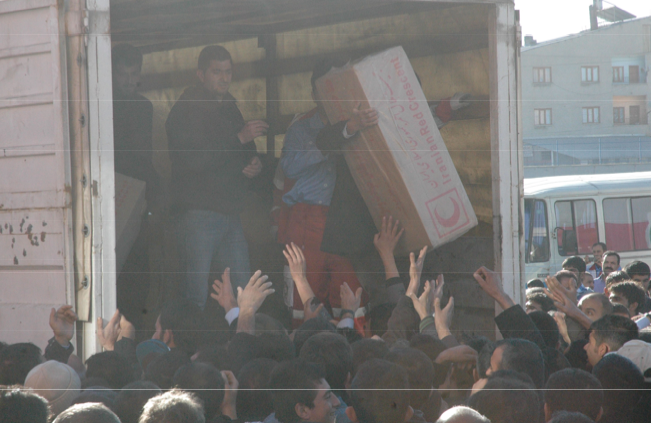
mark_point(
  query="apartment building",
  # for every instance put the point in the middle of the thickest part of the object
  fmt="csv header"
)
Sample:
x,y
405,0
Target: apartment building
x,y
586,98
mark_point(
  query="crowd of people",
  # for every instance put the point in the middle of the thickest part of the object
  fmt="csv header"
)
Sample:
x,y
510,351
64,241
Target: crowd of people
x,y
570,357
381,350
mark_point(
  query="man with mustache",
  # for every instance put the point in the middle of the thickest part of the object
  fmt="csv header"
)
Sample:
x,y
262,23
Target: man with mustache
x,y
610,264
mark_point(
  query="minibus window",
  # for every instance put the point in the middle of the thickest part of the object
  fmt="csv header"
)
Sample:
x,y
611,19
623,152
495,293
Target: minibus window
x,y
536,231
576,228
627,223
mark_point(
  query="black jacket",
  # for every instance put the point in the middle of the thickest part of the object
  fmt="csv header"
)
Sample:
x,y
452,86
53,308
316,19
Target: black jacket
x,y
349,227
206,154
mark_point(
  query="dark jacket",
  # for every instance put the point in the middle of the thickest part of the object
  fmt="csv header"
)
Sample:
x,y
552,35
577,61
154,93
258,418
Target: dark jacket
x,y
206,154
132,137
349,228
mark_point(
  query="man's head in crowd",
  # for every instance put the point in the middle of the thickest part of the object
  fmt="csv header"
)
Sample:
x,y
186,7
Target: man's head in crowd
x,y
622,382
16,361
19,405
640,272
301,393
629,294
610,262
254,402
127,66
309,328
132,398
569,280
110,366
547,327
569,417
521,356
587,280
573,390
576,265
615,277
205,382
507,397
379,394
420,372
598,250
621,310
608,334
537,300
162,369
367,349
58,383
173,407
87,413
535,283
179,325
461,414
215,70
331,351
595,306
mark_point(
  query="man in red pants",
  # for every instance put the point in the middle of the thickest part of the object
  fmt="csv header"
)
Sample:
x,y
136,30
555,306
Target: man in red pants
x,y
313,173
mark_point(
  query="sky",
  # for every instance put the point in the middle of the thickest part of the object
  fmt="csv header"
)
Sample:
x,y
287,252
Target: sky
x,y
549,19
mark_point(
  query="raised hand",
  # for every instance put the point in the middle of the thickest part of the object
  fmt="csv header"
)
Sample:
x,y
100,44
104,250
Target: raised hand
x,y
443,317
415,270
231,385
298,269
252,129
437,291
491,283
254,168
362,119
253,295
108,335
62,322
350,300
224,291
385,241
423,304
559,317
310,312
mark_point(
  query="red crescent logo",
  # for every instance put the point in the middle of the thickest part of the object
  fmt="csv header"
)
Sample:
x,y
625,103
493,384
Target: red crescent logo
x,y
454,219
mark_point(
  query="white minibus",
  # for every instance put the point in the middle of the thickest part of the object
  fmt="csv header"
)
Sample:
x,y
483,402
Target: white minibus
x,y
566,215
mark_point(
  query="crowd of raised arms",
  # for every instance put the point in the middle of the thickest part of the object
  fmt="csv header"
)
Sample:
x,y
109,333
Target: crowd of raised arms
x,y
573,354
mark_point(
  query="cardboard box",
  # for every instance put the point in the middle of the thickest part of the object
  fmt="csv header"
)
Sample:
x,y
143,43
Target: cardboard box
x,y
401,166
130,206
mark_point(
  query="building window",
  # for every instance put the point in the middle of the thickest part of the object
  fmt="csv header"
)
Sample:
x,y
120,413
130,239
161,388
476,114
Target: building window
x,y
542,117
619,115
542,75
591,115
618,73
589,73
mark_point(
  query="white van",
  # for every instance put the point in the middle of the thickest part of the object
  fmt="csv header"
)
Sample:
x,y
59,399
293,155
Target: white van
x,y
566,215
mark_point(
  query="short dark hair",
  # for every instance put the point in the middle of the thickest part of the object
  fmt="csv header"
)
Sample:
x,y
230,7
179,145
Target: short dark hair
x,y
621,379
323,66
535,283
637,268
620,309
90,412
127,55
97,394
507,399
162,369
602,244
132,398
366,349
420,371
173,406
567,274
332,352
570,417
16,361
292,382
616,277
205,382
574,390
309,328
614,331
185,320
576,354
276,346
484,359
210,53
525,357
547,327
631,291
254,402
20,405
612,253
112,367
574,261
546,303
379,392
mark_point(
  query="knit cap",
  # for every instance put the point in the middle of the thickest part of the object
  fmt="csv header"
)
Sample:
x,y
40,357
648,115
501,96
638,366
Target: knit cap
x,y
58,383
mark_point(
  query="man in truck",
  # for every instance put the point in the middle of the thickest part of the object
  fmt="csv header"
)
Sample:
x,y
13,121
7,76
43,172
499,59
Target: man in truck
x,y
213,161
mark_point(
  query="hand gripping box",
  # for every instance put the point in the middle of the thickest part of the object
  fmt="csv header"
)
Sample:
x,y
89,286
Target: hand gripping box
x,y
401,165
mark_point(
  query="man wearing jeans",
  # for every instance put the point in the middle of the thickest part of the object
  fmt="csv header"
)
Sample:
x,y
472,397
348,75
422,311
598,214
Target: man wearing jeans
x,y
213,159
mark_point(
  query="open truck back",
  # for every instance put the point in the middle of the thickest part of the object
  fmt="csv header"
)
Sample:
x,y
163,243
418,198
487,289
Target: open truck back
x,y
57,205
